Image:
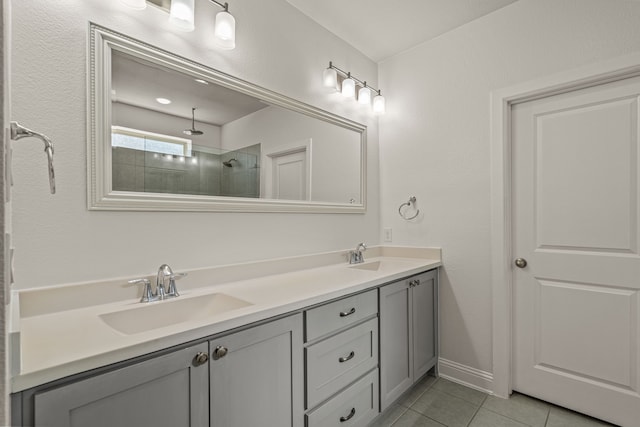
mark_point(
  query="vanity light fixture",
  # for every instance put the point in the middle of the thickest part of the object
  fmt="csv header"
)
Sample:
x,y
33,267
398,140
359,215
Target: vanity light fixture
x,y
135,4
349,87
379,106
330,80
225,27
364,95
182,14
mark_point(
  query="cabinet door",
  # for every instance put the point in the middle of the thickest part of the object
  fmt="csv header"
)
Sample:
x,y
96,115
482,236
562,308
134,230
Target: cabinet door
x,y
167,391
424,322
259,380
396,330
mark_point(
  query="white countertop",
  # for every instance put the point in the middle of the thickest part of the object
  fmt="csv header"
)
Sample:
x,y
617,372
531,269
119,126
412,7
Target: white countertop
x,y
49,343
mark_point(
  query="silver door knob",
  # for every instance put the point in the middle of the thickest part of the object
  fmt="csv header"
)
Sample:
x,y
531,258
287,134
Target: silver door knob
x,y
520,262
200,359
219,352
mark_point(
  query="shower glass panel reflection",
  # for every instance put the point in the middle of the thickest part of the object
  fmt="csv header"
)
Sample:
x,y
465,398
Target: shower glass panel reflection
x,y
152,163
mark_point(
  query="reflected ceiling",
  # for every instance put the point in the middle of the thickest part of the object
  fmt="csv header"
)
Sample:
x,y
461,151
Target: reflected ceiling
x,y
139,83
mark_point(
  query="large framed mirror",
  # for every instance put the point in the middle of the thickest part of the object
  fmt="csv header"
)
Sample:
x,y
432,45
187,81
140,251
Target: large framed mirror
x,y
168,134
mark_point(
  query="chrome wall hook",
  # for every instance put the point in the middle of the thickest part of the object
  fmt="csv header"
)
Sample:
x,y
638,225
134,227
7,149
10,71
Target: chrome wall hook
x,y
18,132
411,204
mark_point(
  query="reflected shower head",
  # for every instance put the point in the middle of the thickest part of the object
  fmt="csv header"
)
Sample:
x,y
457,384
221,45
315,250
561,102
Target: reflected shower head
x,y
193,131
228,163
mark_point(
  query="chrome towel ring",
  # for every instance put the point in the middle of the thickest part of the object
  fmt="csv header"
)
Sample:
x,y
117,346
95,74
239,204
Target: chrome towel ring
x,y
411,204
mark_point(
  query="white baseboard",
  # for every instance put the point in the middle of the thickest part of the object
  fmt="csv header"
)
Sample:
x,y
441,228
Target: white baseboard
x,y
466,375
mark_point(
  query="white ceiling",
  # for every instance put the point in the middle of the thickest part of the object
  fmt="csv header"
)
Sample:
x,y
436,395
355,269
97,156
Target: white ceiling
x,y
382,28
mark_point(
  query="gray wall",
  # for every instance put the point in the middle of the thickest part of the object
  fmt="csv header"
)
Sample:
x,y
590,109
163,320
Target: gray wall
x,y
66,242
4,285
435,137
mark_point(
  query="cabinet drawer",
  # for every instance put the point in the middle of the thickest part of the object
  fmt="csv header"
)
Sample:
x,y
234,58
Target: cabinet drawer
x,y
336,362
335,315
355,406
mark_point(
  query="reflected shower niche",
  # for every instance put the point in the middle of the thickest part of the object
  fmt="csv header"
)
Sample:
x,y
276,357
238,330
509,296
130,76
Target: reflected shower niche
x,y
153,163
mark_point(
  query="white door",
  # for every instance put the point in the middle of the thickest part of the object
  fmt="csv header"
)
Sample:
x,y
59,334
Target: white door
x,y
289,176
575,221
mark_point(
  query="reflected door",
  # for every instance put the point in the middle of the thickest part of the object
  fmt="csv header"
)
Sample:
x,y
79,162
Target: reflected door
x,y
288,174
289,171
575,211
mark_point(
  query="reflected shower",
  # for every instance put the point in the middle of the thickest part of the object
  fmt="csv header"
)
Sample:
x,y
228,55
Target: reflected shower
x,y
193,131
228,163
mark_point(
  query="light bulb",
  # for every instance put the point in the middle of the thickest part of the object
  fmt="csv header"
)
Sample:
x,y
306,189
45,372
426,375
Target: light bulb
x,y
379,104
182,14
364,95
349,88
330,78
135,4
225,30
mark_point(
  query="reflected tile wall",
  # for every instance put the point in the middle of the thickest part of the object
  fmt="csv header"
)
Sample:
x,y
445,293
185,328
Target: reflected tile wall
x,y
242,179
201,174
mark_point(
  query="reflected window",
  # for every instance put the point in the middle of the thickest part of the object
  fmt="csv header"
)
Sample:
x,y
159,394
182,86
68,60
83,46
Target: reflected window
x,y
135,139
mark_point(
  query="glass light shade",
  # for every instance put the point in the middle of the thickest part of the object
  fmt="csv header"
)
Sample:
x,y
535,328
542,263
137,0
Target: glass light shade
x,y
349,88
182,14
364,95
135,4
225,30
330,78
379,106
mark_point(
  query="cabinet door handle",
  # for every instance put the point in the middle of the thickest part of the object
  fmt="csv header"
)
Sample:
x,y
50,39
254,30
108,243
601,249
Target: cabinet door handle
x,y
219,352
348,313
348,417
347,358
200,359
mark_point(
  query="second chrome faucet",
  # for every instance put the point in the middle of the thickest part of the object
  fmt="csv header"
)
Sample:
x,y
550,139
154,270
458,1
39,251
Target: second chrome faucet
x,y
356,256
162,290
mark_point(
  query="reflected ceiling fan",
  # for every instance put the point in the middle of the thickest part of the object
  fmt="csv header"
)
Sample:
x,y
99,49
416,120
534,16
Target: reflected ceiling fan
x,y
193,130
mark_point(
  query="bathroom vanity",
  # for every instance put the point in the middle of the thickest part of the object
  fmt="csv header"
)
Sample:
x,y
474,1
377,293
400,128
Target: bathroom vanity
x,y
310,347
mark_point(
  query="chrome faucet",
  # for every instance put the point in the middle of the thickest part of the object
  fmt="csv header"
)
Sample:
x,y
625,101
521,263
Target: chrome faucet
x,y
171,291
356,256
161,292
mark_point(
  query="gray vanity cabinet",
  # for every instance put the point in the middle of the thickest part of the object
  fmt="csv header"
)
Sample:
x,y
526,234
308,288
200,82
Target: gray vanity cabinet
x,y
408,333
166,391
253,377
341,356
257,376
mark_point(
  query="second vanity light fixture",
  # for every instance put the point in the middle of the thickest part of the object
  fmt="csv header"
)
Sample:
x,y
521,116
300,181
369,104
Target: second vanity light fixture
x,y
182,16
348,88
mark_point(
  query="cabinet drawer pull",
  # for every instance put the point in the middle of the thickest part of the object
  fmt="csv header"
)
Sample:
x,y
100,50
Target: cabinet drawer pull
x,y
219,352
414,283
348,417
200,359
348,313
346,358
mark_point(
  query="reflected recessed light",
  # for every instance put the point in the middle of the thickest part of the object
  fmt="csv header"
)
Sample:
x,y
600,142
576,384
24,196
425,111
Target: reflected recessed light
x,y
163,101
204,82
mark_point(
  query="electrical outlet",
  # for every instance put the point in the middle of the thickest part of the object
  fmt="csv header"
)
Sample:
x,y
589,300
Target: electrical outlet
x,y
388,234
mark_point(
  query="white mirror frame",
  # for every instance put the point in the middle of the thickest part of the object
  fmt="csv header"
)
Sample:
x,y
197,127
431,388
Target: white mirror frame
x,y
101,195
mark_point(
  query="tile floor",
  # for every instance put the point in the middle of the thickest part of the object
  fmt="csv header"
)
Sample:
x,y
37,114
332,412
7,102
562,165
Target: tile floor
x,y
439,402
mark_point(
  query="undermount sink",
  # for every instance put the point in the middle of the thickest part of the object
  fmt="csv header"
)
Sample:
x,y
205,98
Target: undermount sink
x,y
160,314
371,266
